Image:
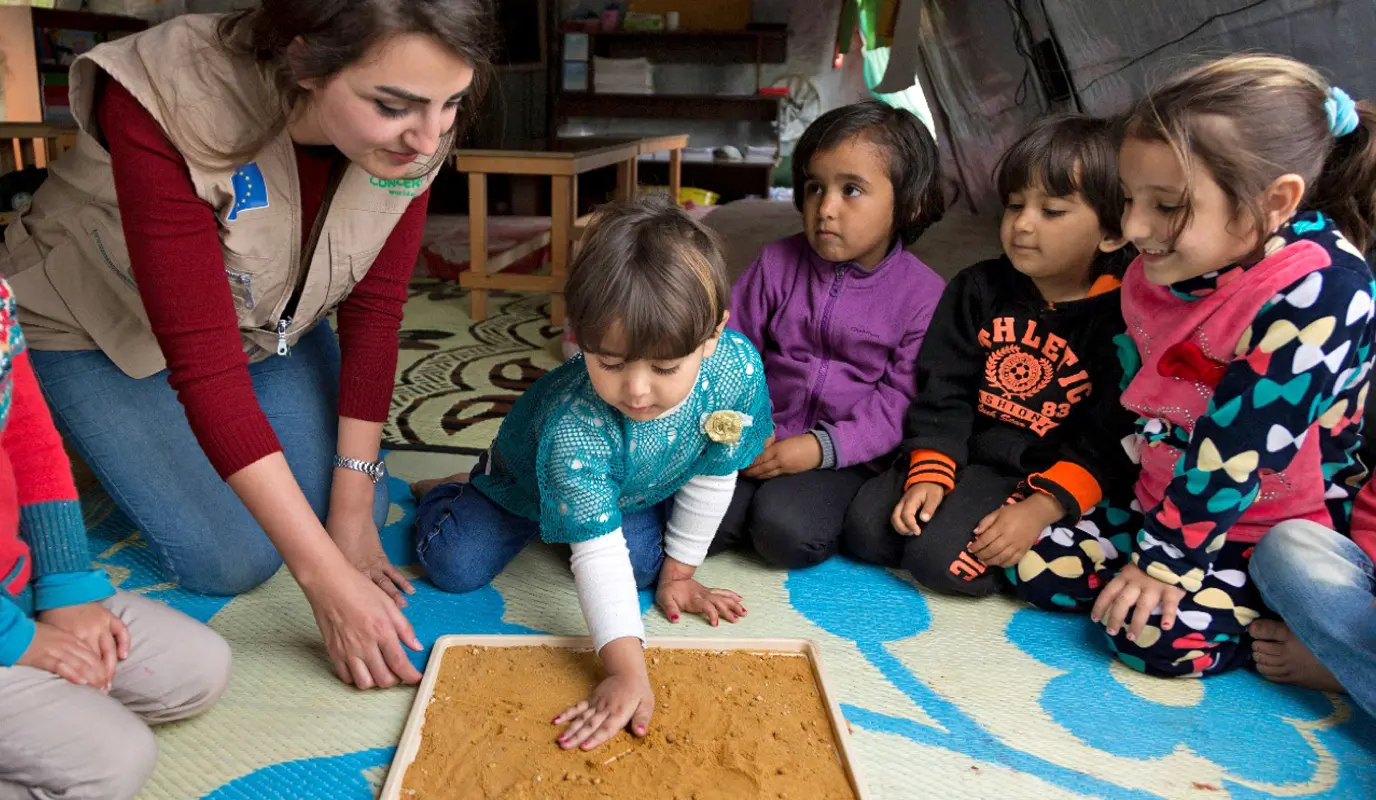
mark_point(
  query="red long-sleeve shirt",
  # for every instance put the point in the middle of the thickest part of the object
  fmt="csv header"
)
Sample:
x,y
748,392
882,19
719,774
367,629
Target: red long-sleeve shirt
x,y
176,258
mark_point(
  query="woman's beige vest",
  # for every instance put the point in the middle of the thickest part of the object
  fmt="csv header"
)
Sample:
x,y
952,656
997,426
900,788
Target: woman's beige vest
x,y
66,258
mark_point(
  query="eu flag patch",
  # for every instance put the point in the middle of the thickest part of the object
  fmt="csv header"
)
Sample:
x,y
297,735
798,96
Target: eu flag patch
x,y
250,190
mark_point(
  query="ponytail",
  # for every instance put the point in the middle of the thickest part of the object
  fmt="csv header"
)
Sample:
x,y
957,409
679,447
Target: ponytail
x,y
1346,189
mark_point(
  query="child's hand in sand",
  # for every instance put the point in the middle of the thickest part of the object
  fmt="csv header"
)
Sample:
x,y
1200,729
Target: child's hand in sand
x,y
624,696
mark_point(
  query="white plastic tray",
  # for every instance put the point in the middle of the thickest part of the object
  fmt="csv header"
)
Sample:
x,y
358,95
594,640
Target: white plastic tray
x,y
410,735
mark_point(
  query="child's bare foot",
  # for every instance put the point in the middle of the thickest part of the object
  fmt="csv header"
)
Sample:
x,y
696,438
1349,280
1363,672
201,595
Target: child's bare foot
x,y
420,489
1283,658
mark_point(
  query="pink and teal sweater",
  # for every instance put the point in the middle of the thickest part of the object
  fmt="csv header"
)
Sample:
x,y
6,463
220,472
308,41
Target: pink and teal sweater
x,y
1249,384
44,559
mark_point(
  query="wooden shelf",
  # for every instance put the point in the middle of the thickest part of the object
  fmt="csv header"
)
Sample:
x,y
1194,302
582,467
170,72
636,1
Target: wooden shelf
x,y
750,108
85,21
695,47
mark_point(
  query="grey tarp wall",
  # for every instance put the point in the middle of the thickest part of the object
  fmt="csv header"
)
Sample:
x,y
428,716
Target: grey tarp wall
x,y
971,66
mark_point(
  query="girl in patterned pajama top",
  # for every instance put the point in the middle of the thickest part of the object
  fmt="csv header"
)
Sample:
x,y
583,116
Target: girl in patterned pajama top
x,y
1249,317
628,453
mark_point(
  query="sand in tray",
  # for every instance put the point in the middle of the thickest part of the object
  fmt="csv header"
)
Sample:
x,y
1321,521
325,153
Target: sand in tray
x,y
729,725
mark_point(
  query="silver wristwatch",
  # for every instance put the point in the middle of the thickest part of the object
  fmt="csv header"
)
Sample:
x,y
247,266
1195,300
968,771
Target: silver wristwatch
x,y
375,471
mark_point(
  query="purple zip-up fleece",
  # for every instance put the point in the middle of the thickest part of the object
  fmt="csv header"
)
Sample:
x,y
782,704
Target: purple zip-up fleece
x,y
839,343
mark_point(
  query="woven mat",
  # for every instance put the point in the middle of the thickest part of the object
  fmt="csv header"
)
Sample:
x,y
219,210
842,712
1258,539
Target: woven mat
x,y
456,379
946,697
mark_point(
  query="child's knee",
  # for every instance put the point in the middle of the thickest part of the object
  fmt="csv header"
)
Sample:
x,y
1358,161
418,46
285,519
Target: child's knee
x,y
962,575
1180,653
112,768
784,546
453,570
208,676
868,536
237,569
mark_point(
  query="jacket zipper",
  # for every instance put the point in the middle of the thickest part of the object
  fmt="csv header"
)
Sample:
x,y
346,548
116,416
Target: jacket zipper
x,y
825,329
282,347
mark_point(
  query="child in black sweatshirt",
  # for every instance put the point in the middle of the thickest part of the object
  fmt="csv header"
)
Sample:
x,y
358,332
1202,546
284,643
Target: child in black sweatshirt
x,y
1017,424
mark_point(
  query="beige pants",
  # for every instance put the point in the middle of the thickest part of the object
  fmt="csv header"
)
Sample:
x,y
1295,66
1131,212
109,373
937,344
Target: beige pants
x,y
59,740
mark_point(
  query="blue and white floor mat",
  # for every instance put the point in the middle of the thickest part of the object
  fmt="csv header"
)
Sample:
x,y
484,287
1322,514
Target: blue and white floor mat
x,y
946,697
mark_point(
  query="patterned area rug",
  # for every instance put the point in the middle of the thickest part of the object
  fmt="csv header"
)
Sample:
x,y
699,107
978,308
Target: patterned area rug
x,y
946,697
456,379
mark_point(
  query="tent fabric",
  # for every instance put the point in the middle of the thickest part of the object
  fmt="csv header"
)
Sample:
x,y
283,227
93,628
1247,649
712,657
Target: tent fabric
x,y
974,75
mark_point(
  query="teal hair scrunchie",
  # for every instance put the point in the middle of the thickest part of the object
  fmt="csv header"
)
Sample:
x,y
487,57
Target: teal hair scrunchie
x,y
1342,112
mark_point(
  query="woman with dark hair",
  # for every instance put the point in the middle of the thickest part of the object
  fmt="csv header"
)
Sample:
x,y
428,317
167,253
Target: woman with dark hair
x,y
236,179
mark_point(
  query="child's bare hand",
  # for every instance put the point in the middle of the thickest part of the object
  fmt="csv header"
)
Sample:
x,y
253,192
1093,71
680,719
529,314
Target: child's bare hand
x,y
920,501
789,457
686,594
617,700
102,632
59,652
1134,591
1004,536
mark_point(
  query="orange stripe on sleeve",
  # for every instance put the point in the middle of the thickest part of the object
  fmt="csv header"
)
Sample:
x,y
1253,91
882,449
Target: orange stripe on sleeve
x,y
931,466
1074,480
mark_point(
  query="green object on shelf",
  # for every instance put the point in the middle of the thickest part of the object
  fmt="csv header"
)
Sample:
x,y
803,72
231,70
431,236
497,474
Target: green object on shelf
x,y
783,173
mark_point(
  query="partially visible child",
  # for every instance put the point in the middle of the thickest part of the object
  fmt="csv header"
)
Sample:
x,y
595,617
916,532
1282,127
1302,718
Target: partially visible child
x,y
84,670
1323,586
1249,184
628,452
1016,422
838,313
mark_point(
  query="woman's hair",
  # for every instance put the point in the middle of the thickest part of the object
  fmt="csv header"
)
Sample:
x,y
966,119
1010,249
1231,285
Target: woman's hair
x,y
908,146
1249,119
335,34
1072,154
652,273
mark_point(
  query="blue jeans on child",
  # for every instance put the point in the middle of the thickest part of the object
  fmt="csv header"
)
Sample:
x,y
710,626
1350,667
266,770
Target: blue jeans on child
x,y
463,539
134,436
1323,586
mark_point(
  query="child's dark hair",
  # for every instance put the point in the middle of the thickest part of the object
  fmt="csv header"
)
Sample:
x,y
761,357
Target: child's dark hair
x,y
1250,119
1072,154
652,273
911,151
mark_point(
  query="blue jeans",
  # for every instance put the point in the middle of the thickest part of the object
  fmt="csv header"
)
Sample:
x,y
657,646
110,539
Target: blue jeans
x,y
1323,587
463,539
134,436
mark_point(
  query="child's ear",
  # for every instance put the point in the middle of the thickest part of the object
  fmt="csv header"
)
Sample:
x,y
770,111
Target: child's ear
x,y
1112,244
1281,199
709,347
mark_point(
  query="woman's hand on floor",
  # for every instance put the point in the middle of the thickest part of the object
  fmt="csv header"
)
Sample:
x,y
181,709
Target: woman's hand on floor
x,y
363,630
94,626
686,594
357,537
623,697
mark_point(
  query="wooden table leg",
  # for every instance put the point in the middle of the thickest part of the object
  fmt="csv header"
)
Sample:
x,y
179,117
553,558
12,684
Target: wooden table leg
x,y
477,242
559,235
675,173
625,180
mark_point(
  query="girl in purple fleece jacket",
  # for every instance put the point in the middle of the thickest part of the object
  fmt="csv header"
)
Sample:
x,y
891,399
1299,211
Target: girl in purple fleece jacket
x,y
838,314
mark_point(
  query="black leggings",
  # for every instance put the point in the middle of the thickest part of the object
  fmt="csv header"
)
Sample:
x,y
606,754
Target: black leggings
x,y
939,558
792,521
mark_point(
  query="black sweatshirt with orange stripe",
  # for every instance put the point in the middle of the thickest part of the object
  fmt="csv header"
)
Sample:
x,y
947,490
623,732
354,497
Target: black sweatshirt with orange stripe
x,y
1022,386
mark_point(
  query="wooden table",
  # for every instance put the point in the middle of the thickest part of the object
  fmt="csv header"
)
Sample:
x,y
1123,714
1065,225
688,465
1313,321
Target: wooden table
x,y
31,144
563,160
